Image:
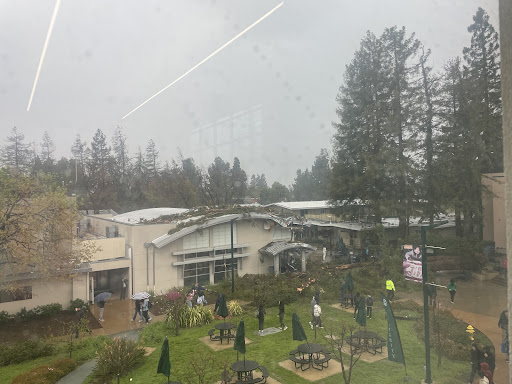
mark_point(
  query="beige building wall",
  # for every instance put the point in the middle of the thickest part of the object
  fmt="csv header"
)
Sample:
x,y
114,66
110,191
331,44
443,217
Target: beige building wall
x,y
494,209
108,248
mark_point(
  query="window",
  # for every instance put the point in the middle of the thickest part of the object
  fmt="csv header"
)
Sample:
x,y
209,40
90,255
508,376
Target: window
x,y
199,239
280,233
222,234
223,269
196,273
23,293
194,255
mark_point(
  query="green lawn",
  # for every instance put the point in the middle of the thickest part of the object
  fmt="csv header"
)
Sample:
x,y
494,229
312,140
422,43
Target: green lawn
x,y
186,349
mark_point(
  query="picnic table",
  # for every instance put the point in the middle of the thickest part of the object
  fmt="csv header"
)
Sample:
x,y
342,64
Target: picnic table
x,y
367,341
310,355
225,331
347,300
244,370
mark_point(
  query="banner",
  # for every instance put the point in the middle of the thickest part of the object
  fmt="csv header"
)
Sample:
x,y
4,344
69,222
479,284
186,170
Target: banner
x,y
412,263
395,351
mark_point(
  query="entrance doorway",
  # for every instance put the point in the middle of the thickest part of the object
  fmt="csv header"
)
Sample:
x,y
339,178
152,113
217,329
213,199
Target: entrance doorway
x,y
109,280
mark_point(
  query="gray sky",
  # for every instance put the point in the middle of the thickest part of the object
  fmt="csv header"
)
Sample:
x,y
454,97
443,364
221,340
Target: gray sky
x,y
107,57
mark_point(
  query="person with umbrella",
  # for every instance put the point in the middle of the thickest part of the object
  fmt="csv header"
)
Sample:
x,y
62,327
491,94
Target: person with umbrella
x,y
145,310
100,301
137,311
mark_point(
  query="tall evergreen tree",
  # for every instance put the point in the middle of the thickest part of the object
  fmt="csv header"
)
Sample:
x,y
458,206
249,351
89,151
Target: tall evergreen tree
x,y
238,182
321,173
361,143
16,153
151,163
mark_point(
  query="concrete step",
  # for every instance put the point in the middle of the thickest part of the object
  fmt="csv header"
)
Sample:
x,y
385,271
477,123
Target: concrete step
x,y
500,280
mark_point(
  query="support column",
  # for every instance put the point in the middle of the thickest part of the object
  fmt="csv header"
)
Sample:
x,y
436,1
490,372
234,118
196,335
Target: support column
x,y
303,260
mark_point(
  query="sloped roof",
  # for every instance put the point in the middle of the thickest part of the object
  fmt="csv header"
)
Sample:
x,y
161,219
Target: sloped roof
x,y
135,217
296,205
277,247
162,241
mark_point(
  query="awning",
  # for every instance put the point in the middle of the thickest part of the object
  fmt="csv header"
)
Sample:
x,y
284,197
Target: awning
x,y
277,247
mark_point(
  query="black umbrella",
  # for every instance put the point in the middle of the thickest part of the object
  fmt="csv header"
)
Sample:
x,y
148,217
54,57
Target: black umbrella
x,y
102,297
297,329
239,343
349,283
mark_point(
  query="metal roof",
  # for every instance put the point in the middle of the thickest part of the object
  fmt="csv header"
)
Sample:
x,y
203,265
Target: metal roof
x,y
297,205
162,241
277,247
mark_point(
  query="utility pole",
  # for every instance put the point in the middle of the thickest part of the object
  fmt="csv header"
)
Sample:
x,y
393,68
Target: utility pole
x,y
424,275
232,261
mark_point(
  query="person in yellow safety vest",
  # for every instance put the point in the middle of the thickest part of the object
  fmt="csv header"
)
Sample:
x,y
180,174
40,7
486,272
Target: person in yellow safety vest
x,y
390,287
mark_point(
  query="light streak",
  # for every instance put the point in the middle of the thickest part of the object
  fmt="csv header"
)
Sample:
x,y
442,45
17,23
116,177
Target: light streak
x,y
208,57
45,46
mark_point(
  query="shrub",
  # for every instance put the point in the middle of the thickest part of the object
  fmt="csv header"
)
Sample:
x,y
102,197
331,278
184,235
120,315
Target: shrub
x,y
234,308
46,374
48,310
26,350
78,303
185,317
116,359
4,317
25,314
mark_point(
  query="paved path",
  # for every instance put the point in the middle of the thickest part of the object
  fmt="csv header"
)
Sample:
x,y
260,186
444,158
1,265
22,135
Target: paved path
x,y
79,375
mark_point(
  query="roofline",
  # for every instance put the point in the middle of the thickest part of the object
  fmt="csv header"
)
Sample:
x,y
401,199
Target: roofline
x,y
166,239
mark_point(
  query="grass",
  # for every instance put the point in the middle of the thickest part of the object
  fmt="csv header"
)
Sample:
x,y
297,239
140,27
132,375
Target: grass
x,y
270,350
83,350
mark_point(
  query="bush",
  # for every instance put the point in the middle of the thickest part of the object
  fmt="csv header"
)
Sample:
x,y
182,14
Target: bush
x,y
78,303
4,317
48,310
234,308
25,314
27,350
46,374
116,359
187,318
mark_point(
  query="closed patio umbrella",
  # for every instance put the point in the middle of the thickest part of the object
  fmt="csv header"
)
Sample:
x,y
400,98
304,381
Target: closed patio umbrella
x,y
239,343
349,283
164,364
361,312
297,329
223,308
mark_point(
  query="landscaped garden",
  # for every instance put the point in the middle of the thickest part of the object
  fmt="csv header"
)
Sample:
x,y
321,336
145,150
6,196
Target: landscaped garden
x,y
193,361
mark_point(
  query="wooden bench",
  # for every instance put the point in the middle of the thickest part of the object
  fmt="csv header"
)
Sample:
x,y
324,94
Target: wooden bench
x,y
300,362
374,347
323,361
264,373
212,335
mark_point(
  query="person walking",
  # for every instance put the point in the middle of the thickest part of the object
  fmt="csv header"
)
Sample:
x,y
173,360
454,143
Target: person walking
x,y
489,358
356,303
200,299
317,313
390,288
324,253
432,294
313,303
124,288
80,312
101,305
369,306
281,316
476,358
503,324
452,288
145,310
484,367
261,318
137,311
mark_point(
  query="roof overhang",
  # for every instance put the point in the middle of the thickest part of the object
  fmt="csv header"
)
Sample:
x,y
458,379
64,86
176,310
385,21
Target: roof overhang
x,y
276,247
162,241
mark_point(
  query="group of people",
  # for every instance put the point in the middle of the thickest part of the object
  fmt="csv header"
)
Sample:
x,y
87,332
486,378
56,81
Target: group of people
x,y
260,315
142,308
196,294
483,363
316,312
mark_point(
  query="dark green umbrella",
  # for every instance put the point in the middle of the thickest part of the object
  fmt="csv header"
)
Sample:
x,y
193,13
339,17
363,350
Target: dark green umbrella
x,y
297,329
223,308
164,364
361,312
349,283
239,343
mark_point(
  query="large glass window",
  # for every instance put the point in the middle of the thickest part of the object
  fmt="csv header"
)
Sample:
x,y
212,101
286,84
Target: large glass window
x,y
195,255
222,234
23,293
198,239
196,273
223,269
280,233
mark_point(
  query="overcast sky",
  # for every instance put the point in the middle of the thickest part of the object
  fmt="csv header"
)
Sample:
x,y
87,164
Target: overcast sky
x,y
106,57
